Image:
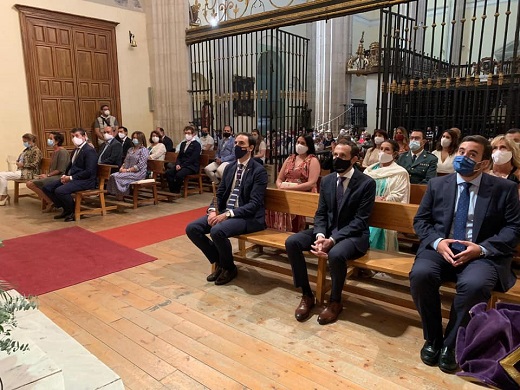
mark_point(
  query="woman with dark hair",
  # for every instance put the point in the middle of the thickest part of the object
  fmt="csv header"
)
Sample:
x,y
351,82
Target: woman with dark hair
x,y
446,151
299,172
260,147
60,159
157,149
371,154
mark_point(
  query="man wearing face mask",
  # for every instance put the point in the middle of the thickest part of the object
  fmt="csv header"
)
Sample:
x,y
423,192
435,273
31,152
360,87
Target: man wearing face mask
x,y
104,119
187,161
122,136
224,156
340,230
80,175
111,151
420,164
240,209
207,142
469,224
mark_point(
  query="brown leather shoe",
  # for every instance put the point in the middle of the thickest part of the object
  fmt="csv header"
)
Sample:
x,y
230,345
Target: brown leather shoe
x,y
303,311
330,313
215,274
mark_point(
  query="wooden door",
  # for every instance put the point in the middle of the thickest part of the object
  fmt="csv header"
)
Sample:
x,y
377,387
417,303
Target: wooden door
x,y
71,67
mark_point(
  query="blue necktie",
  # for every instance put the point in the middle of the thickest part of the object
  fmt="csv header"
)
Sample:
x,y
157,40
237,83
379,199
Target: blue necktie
x,y
461,218
232,201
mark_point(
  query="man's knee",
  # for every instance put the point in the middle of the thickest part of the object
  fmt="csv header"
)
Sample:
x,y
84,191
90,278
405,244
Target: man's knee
x,y
475,288
294,243
217,232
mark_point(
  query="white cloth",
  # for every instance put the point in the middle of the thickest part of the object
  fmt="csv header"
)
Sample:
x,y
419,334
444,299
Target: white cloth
x,y
371,157
445,166
397,182
158,152
5,176
215,171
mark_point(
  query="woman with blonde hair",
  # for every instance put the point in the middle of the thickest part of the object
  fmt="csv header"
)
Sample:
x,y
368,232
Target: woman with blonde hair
x,y
506,159
401,137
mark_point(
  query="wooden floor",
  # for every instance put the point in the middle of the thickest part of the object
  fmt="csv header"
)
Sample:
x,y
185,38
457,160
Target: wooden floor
x,y
162,326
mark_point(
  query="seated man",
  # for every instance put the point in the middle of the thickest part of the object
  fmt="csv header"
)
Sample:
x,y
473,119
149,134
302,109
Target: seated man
x,y
187,161
340,230
420,164
122,136
111,151
240,203
224,155
206,140
80,175
469,224
167,141
514,135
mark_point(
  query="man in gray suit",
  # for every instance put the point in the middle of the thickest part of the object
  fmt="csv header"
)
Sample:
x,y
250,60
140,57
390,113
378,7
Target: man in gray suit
x,y
420,164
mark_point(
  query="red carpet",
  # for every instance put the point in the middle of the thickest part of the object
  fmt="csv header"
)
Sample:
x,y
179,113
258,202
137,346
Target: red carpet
x,y
45,262
152,231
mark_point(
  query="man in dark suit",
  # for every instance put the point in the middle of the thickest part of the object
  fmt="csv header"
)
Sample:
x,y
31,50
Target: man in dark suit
x,y
122,136
469,224
340,230
111,151
167,141
420,164
238,208
80,175
188,161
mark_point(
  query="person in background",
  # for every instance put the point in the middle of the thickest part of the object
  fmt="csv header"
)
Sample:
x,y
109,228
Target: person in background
x,y
446,151
392,185
27,164
133,168
505,159
206,140
514,135
329,139
401,136
167,141
111,151
224,156
299,172
260,147
60,159
122,136
157,149
103,120
371,155
420,164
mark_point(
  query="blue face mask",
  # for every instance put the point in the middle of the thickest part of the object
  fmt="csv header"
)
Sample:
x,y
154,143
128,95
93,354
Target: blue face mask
x,y
26,144
464,165
135,141
50,142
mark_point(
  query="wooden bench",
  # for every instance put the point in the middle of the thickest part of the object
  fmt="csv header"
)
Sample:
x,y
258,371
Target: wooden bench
x,y
149,185
45,165
203,161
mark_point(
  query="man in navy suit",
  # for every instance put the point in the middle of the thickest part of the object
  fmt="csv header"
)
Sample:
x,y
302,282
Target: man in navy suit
x,y
420,164
111,151
239,209
340,230
188,161
122,136
469,224
80,175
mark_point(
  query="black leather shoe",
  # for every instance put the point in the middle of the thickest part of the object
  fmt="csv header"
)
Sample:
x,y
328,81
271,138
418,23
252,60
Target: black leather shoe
x,y
447,361
70,218
430,353
303,311
63,214
215,274
226,276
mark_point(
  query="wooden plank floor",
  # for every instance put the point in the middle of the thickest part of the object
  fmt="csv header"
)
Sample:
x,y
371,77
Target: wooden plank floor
x,y
162,326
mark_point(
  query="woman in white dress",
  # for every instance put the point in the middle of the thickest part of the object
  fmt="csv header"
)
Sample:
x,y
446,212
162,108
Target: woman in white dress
x,y
371,154
392,185
156,148
446,151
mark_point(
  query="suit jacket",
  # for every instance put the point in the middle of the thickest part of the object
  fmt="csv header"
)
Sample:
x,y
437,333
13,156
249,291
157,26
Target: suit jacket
x,y
353,213
127,144
168,143
251,195
112,153
496,223
84,167
190,157
422,170
226,152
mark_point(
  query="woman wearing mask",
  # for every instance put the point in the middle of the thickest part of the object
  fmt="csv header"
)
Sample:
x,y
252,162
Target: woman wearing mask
x,y
401,137
371,154
392,185
133,168
60,159
446,152
156,148
260,147
27,164
299,172
506,159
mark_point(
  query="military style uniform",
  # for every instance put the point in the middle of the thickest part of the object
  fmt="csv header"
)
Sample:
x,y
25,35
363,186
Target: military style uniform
x,y
422,169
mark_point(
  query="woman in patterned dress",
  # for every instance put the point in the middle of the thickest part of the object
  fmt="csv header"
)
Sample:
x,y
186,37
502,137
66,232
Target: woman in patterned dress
x,y
133,168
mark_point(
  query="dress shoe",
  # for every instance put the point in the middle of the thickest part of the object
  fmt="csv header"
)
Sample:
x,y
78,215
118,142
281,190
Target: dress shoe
x,y
303,311
447,362
430,353
215,274
330,313
63,214
226,276
70,218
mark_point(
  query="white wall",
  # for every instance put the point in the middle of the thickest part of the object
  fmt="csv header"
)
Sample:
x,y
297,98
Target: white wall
x,y
134,72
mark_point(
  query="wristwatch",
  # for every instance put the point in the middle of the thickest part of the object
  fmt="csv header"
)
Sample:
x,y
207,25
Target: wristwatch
x,y
228,214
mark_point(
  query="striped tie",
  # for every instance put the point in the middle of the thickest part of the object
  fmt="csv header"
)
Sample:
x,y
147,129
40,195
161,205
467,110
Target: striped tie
x,y
232,201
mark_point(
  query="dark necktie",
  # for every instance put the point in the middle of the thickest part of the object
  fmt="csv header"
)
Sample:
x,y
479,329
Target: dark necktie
x,y
340,191
232,201
414,157
461,218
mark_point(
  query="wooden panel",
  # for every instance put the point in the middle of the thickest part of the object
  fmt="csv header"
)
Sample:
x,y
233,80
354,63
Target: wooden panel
x,y
80,39
94,90
68,114
68,88
100,66
50,114
84,90
56,88
84,64
51,35
105,90
39,36
63,63
44,58
88,110
44,87
90,41
64,37
101,42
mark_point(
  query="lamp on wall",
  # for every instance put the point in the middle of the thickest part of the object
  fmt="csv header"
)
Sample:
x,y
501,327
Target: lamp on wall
x,y
133,43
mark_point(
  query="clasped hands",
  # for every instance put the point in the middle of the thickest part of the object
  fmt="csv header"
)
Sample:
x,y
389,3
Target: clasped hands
x,y
322,246
471,252
213,218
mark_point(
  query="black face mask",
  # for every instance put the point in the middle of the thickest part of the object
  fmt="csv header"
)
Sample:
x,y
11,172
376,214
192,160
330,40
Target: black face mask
x,y
339,165
204,134
239,152
226,135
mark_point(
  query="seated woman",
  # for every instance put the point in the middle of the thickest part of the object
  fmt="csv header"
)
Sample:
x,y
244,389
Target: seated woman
x,y
401,136
60,159
392,185
260,147
133,168
506,159
371,155
446,151
28,166
157,149
299,172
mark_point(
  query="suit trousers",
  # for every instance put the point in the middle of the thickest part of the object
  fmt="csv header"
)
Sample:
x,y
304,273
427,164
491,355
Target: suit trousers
x,y
338,255
474,283
176,178
215,171
61,194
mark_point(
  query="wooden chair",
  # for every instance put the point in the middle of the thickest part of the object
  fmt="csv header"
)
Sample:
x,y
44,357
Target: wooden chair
x,y
156,167
171,157
203,161
45,164
98,194
211,154
417,192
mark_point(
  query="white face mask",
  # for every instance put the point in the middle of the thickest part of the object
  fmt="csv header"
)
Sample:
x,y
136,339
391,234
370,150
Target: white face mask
x,y
78,141
50,142
301,149
385,157
106,112
155,139
501,156
445,142
107,136
189,137
122,135
379,140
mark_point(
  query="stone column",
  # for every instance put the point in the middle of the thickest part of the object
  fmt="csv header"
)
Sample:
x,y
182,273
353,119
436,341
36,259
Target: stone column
x,y
167,21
